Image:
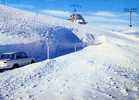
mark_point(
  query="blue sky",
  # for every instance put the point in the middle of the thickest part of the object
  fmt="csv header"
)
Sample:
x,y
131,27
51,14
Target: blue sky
x,y
96,12
86,5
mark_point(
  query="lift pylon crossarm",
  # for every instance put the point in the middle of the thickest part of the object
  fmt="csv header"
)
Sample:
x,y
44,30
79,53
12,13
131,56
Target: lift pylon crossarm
x,y
130,9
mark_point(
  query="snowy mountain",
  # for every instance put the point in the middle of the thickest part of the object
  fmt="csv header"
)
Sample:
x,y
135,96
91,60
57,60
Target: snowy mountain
x,y
107,69
29,32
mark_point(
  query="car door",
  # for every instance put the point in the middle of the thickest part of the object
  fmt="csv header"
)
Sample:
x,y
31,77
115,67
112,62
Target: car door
x,y
22,59
25,58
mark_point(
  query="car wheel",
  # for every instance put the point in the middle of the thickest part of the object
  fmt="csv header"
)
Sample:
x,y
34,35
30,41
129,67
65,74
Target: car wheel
x,y
15,66
32,61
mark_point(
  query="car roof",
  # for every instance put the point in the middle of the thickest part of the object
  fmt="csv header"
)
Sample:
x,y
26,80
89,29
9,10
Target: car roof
x,y
11,53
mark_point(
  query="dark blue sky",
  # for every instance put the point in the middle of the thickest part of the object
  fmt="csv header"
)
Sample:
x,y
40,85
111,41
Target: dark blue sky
x,y
87,5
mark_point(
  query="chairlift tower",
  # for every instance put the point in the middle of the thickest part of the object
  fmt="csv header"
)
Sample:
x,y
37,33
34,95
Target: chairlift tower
x,y
130,11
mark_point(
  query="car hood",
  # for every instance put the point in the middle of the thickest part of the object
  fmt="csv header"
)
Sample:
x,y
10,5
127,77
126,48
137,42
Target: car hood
x,y
3,60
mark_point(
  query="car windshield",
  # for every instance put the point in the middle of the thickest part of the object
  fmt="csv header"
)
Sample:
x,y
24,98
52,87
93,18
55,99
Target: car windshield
x,y
7,56
21,55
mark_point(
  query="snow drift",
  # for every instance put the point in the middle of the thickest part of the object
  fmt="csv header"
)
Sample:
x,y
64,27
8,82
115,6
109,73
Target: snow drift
x,y
26,31
110,72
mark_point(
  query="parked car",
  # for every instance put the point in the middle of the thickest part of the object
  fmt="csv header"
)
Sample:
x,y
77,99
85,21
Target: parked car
x,y
14,60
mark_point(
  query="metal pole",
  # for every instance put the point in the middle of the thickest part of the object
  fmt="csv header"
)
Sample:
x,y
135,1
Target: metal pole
x,y
130,19
75,48
48,50
130,11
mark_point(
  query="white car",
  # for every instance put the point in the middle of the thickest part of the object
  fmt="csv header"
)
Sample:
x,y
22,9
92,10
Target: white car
x,y
14,60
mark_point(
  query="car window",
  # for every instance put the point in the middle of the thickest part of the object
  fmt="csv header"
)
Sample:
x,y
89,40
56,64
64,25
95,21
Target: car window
x,y
24,55
7,56
18,56
21,55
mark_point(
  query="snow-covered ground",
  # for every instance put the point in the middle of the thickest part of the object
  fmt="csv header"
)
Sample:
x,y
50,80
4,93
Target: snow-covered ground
x,y
106,70
26,31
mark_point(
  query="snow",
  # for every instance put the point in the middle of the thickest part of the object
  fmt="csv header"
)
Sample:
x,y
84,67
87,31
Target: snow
x,y
26,31
107,69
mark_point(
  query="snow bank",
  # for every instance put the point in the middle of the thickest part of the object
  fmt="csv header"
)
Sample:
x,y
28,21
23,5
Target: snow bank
x,y
26,31
99,72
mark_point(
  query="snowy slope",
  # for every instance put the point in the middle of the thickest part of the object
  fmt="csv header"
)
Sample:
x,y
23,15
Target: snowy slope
x,y
28,24
132,32
26,31
108,71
